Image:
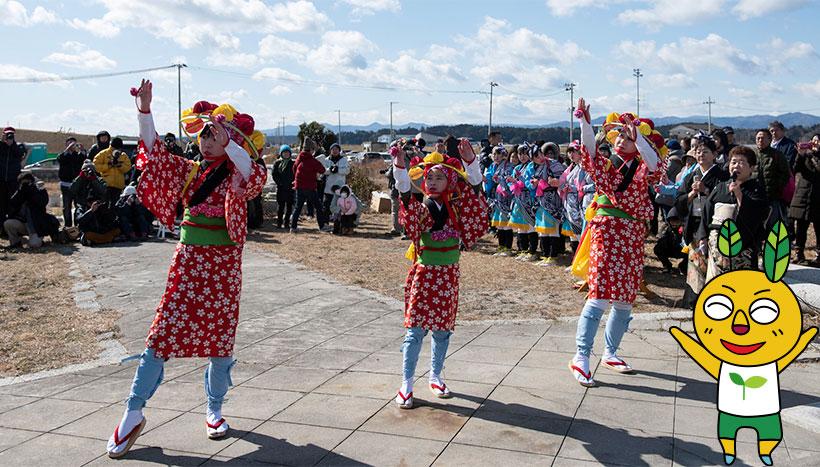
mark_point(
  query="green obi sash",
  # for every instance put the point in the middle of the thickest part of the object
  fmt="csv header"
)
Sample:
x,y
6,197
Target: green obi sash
x,y
607,208
201,230
435,253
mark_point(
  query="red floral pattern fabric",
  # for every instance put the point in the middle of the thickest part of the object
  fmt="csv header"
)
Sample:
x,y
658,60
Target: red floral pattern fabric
x,y
616,257
431,292
199,311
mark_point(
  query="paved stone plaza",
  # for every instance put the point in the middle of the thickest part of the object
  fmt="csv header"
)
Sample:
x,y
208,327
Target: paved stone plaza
x,y
318,367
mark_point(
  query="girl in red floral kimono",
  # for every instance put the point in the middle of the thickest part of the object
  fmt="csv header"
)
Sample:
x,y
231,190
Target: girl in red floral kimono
x,y
617,232
198,314
452,214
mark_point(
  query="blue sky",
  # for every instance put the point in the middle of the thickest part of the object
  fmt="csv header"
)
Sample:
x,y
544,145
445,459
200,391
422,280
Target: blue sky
x,y
304,60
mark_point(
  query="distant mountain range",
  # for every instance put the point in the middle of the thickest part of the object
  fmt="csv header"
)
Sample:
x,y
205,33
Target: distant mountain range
x,y
753,121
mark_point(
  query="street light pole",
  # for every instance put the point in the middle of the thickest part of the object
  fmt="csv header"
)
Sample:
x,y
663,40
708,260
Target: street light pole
x,y
179,66
709,102
636,72
490,126
392,133
571,88
339,126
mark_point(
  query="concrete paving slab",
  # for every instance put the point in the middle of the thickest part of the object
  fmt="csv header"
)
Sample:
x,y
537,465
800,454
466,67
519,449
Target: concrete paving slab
x,y
10,437
291,378
361,384
285,444
469,456
363,448
47,414
187,433
483,354
625,446
327,359
9,402
331,410
533,434
48,448
100,424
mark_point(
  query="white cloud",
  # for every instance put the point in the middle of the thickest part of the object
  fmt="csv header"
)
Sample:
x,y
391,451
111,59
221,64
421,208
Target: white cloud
x,y
672,81
780,51
747,9
638,53
672,12
190,24
809,89
339,51
441,52
568,7
275,47
280,90
691,55
16,72
78,55
232,97
518,55
14,13
273,73
370,7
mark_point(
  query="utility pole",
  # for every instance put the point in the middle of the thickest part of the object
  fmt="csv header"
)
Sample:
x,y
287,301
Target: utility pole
x,y
490,126
339,113
392,133
709,102
571,88
636,72
283,130
179,66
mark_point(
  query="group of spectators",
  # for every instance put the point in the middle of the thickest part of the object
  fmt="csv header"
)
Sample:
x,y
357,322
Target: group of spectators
x,y
319,181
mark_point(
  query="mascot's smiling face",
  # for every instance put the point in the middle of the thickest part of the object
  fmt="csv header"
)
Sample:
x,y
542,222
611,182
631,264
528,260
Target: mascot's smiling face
x,y
744,319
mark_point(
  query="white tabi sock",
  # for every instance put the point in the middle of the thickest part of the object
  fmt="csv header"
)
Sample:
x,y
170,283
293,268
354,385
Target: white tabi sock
x,y
130,419
407,387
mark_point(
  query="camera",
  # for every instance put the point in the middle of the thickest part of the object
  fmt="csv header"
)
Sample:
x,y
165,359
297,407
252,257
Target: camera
x,y
10,136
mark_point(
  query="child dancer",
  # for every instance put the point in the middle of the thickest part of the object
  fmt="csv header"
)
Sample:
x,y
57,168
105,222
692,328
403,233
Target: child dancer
x,y
499,198
199,311
451,214
542,179
617,232
576,190
522,220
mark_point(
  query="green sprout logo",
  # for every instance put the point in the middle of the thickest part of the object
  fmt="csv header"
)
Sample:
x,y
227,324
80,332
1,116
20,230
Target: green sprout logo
x,y
752,383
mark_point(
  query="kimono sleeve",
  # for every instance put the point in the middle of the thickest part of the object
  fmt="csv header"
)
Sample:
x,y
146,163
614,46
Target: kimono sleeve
x,y
473,210
415,218
163,180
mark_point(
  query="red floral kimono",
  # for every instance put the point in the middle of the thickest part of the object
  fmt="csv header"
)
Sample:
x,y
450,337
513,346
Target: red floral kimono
x,y
199,311
616,256
431,289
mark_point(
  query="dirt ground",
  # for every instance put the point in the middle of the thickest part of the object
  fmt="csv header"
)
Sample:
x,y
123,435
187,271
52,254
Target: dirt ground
x,y
491,287
42,328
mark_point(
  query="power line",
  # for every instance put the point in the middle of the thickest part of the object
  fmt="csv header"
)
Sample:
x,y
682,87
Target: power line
x,y
304,82
533,96
47,79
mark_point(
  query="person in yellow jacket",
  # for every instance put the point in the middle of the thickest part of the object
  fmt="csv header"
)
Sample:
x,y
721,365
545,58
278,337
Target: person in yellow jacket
x,y
112,163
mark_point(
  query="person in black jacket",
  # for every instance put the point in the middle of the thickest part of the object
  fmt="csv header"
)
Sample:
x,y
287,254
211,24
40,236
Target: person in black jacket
x,y
282,174
28,216
11,163
172,146
99,224
71,162
103,142
86,187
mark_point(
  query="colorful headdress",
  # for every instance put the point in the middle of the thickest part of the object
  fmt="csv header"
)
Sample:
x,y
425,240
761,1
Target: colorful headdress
x,y
645,126
452,167
240,126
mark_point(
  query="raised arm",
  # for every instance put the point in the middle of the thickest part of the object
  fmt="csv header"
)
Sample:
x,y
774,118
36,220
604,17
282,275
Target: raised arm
x,y
697,352
798,348
647,152
399,170
587,133
144,95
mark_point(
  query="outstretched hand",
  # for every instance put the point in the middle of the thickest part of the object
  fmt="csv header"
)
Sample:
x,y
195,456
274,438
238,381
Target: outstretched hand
x,y
145,95
220,134
397,154
630,129
465,150
583,109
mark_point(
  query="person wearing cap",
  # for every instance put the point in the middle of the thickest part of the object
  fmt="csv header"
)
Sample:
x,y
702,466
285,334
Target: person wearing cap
x,y
730,136
337,168
86,187
131,214
112,163
27,214
171,145
71,162
11,163
282,174
103,142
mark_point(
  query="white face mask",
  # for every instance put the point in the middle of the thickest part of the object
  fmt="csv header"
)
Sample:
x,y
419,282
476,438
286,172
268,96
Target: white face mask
x,y
344,195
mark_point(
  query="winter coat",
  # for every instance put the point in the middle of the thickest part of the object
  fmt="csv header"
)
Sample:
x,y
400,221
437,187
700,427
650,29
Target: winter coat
x,y
772,172
306,170
86,187
806,201
101,221
70,165
788,148
35,200
337,178
11,161
282,173
347,206
112,166
685,206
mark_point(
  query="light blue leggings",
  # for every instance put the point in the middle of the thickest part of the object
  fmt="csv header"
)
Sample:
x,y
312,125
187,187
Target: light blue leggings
x,y
151,369
412,347
616,326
